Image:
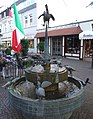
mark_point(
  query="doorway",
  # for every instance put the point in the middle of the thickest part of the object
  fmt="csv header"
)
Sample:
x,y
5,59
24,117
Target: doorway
x,y
57,46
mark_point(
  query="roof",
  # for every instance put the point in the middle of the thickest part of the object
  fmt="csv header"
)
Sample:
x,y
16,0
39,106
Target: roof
x,y
61,32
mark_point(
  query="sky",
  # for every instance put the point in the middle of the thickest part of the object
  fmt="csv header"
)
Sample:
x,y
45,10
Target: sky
x,y
67,11
64,11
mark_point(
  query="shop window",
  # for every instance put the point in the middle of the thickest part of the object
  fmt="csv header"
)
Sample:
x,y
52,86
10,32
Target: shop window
x,y
31,18
31,43
88,48
72,45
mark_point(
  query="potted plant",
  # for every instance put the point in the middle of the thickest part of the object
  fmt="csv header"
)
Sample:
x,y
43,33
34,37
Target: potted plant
x,y
24,49
40,46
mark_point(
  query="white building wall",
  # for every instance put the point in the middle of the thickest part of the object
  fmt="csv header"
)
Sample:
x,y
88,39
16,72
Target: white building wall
x,y
30,30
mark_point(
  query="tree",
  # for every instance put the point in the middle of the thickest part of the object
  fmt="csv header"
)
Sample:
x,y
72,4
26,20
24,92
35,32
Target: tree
x,y
1,46
25,45
8,50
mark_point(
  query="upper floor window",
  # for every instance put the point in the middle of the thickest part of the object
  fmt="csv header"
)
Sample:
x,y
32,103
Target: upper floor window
x,y
31,18
0,27
10,25
5,28
4,14
26,21
33,1
0,16
92,27
28,2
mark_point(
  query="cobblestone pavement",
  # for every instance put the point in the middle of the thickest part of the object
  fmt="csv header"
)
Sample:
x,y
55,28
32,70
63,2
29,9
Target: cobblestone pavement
x,y
83,70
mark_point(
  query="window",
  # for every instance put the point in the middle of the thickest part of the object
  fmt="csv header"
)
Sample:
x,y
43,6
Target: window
x,y
88,48
0,27
33,1
10,25
30,19
92,27
72,44
28,2
26,21
31,43
5,28
4,14
0,16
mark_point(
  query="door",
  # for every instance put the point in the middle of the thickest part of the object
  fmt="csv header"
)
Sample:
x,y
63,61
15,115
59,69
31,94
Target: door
x,y
57,46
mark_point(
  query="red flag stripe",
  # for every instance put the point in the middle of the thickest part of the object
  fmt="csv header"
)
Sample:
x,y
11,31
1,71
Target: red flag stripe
x,y
15,46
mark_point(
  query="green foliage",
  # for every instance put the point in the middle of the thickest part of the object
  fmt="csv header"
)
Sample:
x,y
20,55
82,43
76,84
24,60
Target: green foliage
x,y
1,46
40,46
27,63
25,45
8,50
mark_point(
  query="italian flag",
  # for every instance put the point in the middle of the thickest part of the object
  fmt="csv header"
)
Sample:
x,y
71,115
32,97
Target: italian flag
x,y
18,32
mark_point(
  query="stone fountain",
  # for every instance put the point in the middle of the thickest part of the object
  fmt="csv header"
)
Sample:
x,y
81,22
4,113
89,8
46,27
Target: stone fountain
x,y
59,93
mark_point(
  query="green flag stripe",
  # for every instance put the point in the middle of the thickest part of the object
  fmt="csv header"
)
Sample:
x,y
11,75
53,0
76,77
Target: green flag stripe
x,y
17,19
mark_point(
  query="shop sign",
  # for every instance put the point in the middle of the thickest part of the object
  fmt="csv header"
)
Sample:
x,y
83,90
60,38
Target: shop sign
x,y
86,35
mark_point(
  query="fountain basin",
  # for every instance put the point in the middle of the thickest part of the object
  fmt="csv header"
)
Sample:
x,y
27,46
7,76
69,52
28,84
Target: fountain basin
x,y
61,108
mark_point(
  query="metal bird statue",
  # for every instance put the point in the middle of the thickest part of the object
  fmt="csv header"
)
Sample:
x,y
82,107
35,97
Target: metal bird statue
x,y
70,69
46,15
40,92
74,81
86,82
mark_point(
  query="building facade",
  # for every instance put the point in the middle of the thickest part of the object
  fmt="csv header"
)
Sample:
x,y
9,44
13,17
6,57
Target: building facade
x,y
65,40
68,40
27,10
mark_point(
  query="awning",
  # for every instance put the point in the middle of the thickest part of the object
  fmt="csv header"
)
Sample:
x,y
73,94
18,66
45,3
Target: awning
x,y
88,34
61,32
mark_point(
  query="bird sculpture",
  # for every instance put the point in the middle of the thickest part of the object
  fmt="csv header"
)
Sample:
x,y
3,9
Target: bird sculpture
x,y
46,84
70,69
40,92
86,82
74,81
46,16
57,78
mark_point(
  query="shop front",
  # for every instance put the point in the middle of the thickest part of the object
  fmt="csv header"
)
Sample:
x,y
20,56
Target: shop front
x,y
87,38
72,46
63,42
